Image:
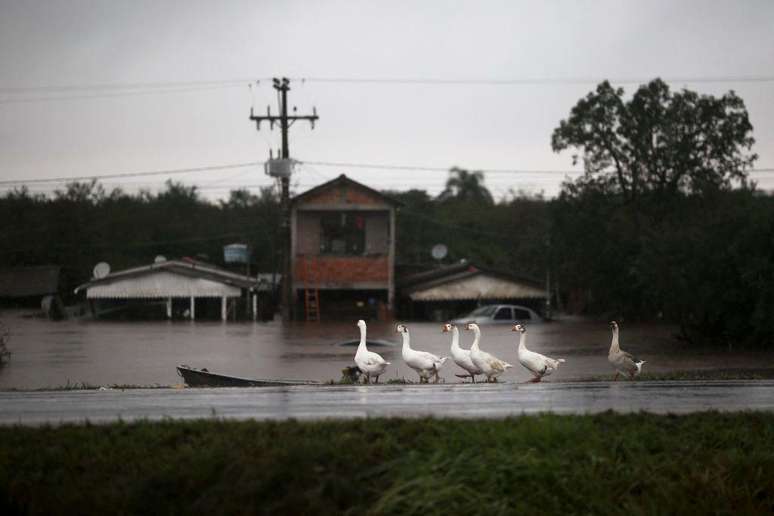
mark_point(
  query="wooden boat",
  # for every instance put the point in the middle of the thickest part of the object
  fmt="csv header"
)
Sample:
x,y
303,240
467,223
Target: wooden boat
x,y
204,378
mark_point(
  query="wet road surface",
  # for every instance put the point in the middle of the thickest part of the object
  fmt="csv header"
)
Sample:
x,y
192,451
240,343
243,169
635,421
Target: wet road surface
x,y
457,400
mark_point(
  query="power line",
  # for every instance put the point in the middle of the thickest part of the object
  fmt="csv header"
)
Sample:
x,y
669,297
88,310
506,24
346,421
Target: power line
x,y
145,88
313,163
22,100
535,80
434,169
128,86
132,174
447,169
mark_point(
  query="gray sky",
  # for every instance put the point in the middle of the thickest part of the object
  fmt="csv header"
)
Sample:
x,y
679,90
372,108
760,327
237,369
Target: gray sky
x,y
59,43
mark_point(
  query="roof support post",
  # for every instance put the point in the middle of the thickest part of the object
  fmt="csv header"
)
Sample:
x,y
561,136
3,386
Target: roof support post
x,y
255,306
223,308
169,308
193,308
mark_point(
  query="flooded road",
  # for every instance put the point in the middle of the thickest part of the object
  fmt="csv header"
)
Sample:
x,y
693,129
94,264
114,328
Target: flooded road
x,y
53,354
482,400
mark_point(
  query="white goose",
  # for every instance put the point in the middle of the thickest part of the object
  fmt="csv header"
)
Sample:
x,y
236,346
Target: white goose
x,y
370,363
489,364
461,356
539,365
424,363
622,361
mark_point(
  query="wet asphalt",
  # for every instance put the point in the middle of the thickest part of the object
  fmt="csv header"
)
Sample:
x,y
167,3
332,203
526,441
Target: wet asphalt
x,y
345,402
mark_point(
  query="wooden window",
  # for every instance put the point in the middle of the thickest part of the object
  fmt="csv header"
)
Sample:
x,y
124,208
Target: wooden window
x,y
342,233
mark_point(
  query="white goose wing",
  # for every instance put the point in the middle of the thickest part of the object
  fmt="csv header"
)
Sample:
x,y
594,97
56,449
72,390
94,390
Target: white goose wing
x,y
462,359
374,359
421,359
493,362
535,362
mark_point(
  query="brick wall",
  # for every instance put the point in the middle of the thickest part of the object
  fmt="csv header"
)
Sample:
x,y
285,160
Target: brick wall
x,y
340,270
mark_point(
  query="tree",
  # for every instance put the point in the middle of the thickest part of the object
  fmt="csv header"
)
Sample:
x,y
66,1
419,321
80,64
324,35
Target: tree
x,y
463,185
658,141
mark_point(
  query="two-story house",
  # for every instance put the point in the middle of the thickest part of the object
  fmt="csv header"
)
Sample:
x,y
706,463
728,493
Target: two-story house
x,y
342,252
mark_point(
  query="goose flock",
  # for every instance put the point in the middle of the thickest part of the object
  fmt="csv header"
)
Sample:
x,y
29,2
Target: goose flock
x,y
475,361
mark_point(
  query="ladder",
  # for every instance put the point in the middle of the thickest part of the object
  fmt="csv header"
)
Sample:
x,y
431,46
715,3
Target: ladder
x,y
311,293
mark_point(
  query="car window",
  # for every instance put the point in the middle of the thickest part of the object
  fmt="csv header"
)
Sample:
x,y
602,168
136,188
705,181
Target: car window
x,y
520,315
483,311
503,314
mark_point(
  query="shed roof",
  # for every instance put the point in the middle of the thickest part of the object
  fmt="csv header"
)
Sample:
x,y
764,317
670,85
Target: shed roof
x,y
172,278
465,282
29,281
343,180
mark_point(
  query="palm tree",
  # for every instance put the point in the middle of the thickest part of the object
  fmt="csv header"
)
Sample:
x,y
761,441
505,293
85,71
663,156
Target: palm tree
x,y
463,185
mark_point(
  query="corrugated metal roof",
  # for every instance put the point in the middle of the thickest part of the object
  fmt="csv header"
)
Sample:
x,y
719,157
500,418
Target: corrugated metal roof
x,y
475,285
190,269
29,281
161,284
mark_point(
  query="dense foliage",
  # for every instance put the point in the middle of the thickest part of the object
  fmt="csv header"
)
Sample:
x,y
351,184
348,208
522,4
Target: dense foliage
x,y
82,225
603,464
664,223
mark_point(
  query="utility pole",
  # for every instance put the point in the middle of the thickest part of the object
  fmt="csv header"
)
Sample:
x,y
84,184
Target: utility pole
x,y
283,86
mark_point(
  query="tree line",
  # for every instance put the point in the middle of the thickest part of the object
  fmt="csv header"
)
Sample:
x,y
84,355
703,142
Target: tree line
x,y
664,224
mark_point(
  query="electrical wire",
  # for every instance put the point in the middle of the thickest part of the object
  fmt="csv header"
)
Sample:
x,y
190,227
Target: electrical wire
x,y
128,86
132,174
535,80
309,165
21,100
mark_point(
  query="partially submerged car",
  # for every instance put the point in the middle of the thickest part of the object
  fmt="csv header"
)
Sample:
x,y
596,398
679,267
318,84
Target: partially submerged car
x,y
500,314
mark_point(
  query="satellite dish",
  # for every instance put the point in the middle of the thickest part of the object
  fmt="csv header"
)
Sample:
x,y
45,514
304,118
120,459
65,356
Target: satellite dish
x,y
439,251
101,270
160,259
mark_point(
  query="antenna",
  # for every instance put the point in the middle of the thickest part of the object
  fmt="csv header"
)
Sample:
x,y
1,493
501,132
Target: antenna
x,y
101,270
439,251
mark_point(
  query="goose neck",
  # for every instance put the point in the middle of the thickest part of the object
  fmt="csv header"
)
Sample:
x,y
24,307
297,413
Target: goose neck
x,y
476,338
362,346
406,340
614,347
455,344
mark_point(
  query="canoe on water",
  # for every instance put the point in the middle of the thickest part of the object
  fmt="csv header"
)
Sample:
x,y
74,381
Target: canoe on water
x,y
204,378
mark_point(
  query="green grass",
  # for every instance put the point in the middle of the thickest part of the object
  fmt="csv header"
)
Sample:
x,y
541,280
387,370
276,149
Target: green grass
x,y
603,464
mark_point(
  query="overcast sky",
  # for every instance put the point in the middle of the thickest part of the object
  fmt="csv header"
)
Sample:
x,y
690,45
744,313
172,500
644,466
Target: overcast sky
x,y
102,131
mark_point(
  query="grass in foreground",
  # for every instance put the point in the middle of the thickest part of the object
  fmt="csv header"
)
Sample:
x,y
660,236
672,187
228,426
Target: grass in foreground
x,y
548,464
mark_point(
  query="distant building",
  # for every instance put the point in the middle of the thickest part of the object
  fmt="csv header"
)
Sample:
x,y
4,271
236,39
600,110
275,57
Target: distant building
x,y
450,291
36,286
342,252
178,289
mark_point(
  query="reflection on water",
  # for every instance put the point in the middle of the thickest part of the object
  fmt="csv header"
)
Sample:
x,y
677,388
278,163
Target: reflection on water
x,y
49,354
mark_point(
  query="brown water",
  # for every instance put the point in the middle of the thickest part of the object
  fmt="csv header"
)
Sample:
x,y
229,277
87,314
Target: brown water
x,y
52,354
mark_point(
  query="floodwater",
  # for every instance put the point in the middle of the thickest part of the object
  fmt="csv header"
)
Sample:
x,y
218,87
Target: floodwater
x,y
54,354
